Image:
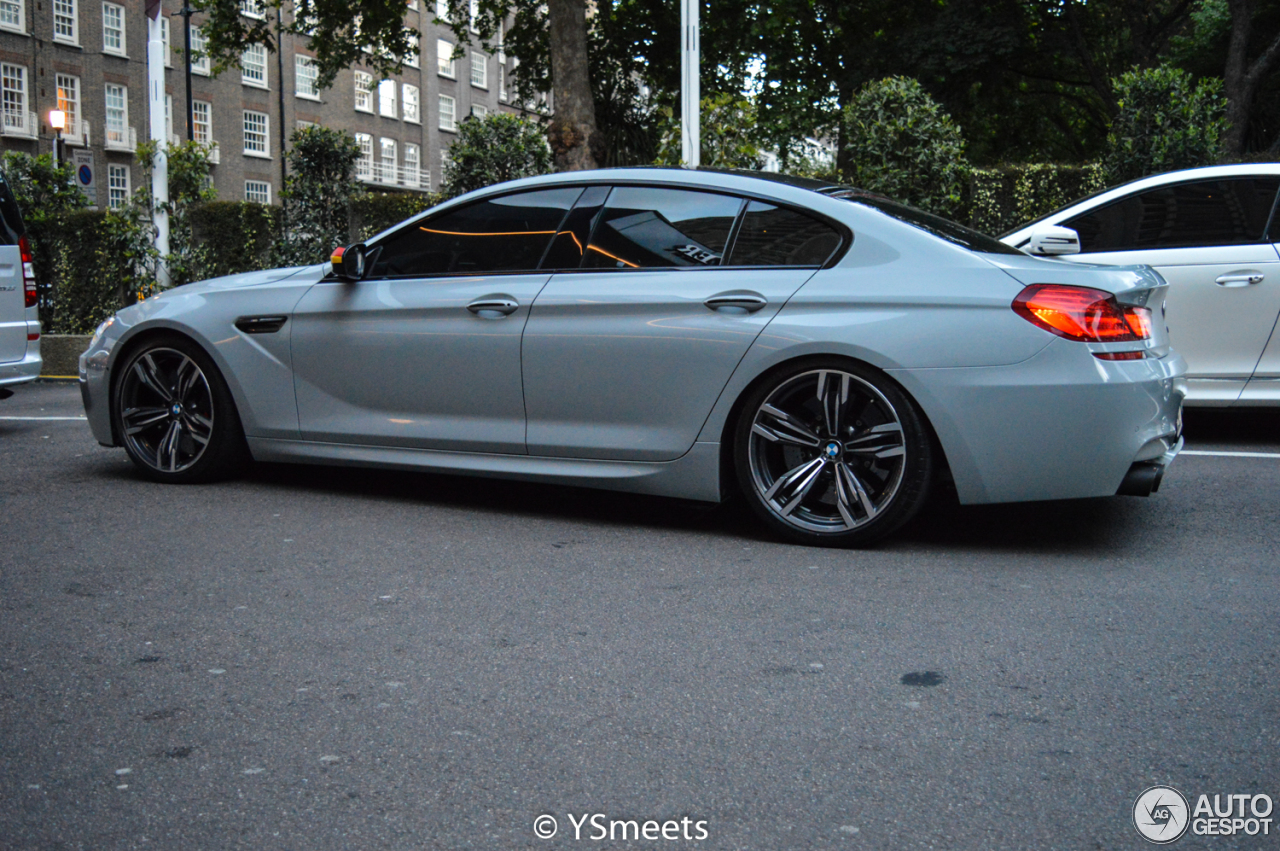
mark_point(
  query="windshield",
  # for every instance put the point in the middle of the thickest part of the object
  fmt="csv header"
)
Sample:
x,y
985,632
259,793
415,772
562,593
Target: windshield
x,y
936,225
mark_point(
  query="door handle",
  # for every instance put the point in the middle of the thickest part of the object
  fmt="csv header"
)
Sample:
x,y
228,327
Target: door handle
x,y
1239,279
748,302
488,306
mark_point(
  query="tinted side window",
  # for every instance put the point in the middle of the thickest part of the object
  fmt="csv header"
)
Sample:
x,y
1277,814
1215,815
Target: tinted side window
x,y
644,227
776,236
507,234
571,241
1212,212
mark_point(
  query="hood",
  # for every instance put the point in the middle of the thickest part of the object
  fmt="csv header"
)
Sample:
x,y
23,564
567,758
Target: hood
x,y
1029,270
251,279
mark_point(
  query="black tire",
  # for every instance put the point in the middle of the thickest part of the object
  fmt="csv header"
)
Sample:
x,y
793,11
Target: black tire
x,y
831,453
173,413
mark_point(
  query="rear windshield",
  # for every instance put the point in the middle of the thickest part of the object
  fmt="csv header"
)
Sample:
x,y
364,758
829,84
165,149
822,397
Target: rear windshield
x,y
936,225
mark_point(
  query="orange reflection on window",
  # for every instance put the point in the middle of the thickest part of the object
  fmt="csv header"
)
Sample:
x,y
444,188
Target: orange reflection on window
x,y
502,233
614,257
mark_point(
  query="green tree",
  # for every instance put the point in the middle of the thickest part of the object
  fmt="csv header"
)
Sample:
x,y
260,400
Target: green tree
x,y
492,149
727,131
899,142
1165,122
317,194
190,183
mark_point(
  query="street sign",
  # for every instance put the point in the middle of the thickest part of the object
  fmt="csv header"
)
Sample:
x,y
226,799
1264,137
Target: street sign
x,y
86,177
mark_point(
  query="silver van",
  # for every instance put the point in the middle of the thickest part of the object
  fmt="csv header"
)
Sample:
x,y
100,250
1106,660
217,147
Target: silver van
x,y
19,315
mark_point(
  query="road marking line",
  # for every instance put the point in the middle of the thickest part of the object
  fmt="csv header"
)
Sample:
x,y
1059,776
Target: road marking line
x,y
41,419
1231,454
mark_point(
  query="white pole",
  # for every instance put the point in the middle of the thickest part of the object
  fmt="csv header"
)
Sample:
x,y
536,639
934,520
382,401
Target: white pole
x,y
690,59
160,171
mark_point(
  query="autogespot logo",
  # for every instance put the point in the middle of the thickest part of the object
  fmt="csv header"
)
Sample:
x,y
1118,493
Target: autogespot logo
x,y
1161,815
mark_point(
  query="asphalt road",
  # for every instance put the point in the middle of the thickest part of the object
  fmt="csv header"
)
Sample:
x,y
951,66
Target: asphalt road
x,y
317,658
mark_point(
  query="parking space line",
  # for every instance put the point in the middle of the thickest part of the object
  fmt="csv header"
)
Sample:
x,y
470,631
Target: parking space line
x,y
40,419
1230,454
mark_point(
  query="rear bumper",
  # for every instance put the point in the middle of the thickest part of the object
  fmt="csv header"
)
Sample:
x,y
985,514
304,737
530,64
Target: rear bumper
x,y
1060,425
22,371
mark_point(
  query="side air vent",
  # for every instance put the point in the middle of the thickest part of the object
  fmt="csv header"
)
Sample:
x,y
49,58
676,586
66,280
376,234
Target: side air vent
x,y
261,324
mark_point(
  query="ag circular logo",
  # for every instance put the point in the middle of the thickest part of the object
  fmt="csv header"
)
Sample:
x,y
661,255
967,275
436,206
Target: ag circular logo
x,y
1161,815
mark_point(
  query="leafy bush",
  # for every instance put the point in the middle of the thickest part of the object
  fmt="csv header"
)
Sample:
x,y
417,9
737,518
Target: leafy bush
x,y
489,150
374,212
1165,123
237,236
189,184
726,134
900,143
1004,198
317,194
45,193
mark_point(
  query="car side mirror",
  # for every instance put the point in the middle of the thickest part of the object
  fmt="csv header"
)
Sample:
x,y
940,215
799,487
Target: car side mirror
x,y
1053,241
348,262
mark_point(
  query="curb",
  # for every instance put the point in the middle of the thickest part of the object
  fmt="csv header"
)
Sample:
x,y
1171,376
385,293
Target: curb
x,y
61,355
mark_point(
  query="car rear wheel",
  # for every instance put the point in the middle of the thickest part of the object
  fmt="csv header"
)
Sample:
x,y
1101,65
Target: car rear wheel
x,y
175,415
831,453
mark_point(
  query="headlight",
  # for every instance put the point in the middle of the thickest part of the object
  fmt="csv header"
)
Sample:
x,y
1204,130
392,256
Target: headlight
x,y
99,331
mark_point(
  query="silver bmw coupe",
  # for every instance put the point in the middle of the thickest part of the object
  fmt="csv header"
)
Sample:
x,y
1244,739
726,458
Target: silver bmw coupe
x,y
826,352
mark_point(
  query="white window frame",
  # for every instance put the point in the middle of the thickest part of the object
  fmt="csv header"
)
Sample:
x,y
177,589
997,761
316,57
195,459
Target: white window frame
x,y
113,29
13,99
473,15
250,66
411,98
483,67
310,91
168,117
64,18
118,188
199,44
388,106
446,65
363,83
265,124
479,110
265,187
450,123
69,104
164,40
412,164
302,125
364,165
442,10
15,10
205,136
388,166
252,9
415,51
117,131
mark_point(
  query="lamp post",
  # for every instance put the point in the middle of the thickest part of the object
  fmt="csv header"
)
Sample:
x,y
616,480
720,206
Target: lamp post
x,y
57,120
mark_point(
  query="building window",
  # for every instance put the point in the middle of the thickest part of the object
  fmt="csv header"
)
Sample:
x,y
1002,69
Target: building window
x,y
253,66
445,162
412,162
202,123
13,90
388,151
479,70
117,115
117,186
411,104
364,92
387,99
475,16
364,165
305,76
442,10
257,191
65,21
168,118
445,65
256,134
69,102
502,83
13,15
447,120
412,59
251,9
199,58
113,28
303,125
164,40
479,111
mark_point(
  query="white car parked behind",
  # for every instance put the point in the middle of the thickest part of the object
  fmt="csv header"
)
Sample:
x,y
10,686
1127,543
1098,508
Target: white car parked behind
x,y
1212,233
19,317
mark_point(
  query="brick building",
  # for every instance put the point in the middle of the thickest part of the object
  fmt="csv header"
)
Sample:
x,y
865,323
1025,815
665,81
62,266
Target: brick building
x,y
88,57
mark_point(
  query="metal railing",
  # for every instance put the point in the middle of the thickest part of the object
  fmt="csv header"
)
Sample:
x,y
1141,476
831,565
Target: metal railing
x,y
19,123
384,174
123,139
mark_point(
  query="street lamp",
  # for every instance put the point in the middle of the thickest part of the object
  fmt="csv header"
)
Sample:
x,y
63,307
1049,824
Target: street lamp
x,y
57,120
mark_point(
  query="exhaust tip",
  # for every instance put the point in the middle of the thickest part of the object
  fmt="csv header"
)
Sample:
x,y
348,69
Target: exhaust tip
x,y
1143,479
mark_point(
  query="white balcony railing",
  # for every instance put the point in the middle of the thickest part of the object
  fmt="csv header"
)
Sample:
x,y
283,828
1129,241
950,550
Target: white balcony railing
x,y
384,174
214,156
122,139
20,123
77,133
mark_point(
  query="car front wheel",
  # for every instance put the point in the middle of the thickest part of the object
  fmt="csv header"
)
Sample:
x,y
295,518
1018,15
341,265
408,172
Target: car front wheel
x,y
832,453
175,415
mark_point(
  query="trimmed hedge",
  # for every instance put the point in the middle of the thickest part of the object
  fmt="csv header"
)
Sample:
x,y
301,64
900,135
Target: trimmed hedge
x,y
235,236
374,212
1007,197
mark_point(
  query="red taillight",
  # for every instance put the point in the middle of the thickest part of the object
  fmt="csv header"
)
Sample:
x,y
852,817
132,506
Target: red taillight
x,y
1119,355
28,272
1082,314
